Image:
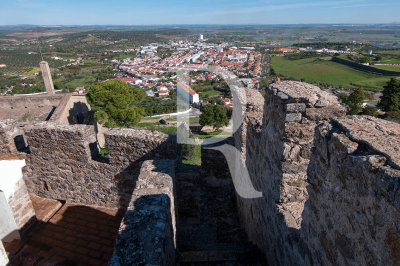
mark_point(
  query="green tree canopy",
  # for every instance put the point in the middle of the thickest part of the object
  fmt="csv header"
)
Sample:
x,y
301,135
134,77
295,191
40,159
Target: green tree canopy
x,y
213,115
390,100
355,101
112,101
367,59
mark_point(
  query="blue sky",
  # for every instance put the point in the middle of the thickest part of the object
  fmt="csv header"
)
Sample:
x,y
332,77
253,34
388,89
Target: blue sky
x,y
159,12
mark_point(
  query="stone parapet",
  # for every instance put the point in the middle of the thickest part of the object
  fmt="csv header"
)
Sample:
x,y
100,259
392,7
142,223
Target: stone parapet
x,y
353,211
7,130
28,107
126,146
276,144
147,232
64,164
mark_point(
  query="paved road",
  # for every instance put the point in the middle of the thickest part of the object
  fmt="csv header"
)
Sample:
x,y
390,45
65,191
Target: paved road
x,y
265,66
194,112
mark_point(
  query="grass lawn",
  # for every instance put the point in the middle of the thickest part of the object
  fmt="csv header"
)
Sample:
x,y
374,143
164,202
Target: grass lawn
x,y
390,68
148,124
196,158
87,80
209,93
219,134
322,70
194,120
167,130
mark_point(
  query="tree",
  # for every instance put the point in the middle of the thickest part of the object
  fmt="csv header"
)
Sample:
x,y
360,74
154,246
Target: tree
x,y
390,100
213,115
378,58
367,59
112,101
393,116
355,101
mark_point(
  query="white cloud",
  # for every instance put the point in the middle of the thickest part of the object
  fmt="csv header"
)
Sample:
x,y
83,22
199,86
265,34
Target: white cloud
x,y
266,8
361,5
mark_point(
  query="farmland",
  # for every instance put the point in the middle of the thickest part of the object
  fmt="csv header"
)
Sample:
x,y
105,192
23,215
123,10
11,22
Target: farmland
x,y
322,70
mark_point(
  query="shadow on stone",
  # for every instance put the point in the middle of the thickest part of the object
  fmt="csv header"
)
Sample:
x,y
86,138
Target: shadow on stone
x,y
80,114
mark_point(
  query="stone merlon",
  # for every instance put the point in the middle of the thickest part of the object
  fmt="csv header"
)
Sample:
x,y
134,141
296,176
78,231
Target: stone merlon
x,y
382,136
312,95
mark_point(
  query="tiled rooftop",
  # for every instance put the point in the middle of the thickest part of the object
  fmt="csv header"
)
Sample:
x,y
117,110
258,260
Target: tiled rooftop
x,y
73,235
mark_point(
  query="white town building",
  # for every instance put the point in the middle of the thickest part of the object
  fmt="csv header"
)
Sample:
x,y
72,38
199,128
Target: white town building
x,y
187,93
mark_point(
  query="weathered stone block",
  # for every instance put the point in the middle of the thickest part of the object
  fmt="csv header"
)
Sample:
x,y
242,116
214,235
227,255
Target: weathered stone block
x,y
293,117
282,95
295,107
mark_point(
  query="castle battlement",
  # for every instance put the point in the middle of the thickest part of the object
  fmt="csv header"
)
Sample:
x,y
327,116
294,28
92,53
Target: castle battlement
x,y
327,179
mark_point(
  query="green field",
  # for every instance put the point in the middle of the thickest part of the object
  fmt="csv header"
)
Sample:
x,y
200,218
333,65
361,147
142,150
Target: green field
x,y
390,68
389,60
324,71
388,52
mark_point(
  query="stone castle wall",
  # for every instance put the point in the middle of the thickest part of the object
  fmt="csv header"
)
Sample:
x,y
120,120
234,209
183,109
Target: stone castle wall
x,y
352,216
276,143
28,108
63,162
21,207
17,213
72,109
7,128
330,214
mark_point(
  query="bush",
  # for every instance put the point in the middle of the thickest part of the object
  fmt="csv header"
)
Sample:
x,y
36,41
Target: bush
x,y
393,116
188,151
371,111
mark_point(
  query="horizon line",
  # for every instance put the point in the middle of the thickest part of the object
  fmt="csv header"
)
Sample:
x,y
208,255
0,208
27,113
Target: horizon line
x,y
202,24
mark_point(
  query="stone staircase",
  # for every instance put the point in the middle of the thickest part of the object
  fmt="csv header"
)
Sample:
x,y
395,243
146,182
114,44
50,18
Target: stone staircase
x,y
222,254
208,228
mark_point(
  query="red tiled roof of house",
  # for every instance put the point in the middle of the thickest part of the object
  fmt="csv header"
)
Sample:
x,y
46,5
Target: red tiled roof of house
x,y
186,88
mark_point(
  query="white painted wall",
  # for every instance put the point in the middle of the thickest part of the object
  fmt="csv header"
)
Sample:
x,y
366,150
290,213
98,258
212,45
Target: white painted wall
x,y
8,227
195,98
3,255
10,174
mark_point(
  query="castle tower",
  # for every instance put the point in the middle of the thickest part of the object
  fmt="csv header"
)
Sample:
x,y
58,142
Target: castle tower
x,y
48,82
